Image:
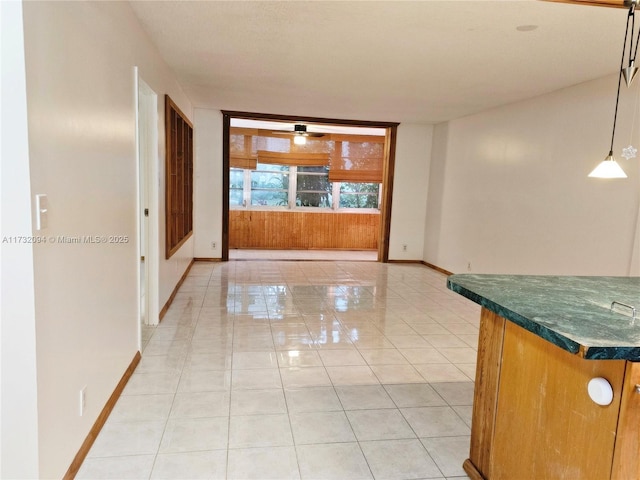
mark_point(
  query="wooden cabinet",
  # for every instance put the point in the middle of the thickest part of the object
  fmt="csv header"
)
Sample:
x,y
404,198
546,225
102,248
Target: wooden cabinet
x,y
533,417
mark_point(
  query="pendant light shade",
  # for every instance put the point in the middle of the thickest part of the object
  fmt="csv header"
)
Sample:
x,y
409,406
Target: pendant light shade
x,y
608,168
630,73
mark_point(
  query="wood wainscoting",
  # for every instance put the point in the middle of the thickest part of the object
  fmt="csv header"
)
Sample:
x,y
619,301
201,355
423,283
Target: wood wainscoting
x,y
303,230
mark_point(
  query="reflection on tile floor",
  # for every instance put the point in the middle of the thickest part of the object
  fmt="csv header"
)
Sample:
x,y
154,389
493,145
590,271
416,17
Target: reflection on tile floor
x,y
303,370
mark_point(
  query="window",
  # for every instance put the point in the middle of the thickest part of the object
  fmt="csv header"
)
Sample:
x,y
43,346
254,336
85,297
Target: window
x,y
359,195
313,188
236,187
270,185
332,172
273,185
179,177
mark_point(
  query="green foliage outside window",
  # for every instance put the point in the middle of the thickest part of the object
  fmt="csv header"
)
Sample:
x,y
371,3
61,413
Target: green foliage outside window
x,y
270,185
359,195
313,187
236,186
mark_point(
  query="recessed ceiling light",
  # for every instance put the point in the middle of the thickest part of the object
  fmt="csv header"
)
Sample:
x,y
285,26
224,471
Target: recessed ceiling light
x,y
526,28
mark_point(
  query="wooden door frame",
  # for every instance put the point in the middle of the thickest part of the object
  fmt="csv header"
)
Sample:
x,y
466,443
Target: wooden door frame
x,y
387,175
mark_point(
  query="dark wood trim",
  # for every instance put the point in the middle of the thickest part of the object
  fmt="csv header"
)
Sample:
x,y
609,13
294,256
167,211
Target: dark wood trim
x,y
201,259
226,165
164,310
296,118
595,3
170,252
100,421
434,267
173,105
179,154
388,172
387,193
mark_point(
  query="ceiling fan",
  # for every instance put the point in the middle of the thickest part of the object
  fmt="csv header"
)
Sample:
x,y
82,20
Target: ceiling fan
x,y
300,131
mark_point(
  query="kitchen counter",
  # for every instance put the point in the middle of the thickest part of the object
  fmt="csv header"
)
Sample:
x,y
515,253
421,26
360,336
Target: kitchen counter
x,y
573,313
542,341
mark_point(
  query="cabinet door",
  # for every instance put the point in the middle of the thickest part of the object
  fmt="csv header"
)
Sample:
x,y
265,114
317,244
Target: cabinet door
x,y
547,426
626,459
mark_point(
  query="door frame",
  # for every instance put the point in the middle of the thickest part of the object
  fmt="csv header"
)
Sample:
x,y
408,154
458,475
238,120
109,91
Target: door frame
x,y
148,198
387,173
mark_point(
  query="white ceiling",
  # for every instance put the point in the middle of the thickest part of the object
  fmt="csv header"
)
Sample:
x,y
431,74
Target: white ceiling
x,y
390,61
311,127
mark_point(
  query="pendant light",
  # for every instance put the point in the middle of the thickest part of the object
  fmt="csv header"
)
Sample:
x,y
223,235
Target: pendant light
x,y
609,167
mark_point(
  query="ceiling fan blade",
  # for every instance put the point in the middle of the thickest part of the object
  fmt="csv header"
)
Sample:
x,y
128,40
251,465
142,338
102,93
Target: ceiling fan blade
x,y
304,134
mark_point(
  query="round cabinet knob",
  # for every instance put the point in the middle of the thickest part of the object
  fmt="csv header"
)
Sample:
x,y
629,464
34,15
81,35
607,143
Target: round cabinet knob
x,y
600,391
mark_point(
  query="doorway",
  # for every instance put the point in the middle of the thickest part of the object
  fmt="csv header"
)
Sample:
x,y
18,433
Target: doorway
x,y
148,213
359,156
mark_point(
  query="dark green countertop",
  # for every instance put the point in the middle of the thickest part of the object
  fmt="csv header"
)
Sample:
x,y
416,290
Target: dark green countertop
x,y
573,313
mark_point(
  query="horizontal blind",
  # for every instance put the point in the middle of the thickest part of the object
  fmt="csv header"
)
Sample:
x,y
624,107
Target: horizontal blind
x,y
243,161
357,162
351,158
302,159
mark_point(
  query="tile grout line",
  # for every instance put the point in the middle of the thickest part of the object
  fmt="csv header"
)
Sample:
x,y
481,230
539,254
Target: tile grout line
x,y
192,328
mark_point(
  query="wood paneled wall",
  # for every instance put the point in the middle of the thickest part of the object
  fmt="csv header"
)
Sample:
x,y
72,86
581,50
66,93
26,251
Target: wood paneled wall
x,y
303,230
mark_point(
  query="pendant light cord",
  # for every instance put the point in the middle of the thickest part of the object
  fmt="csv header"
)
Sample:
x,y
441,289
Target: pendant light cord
x,y
630,17
632,51
633,29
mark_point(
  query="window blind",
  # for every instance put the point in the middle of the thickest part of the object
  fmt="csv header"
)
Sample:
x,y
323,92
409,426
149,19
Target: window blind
x,y
357,162
302,159
350,158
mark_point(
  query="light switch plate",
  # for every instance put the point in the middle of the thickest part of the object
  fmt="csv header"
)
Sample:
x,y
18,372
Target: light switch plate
x,y
42,210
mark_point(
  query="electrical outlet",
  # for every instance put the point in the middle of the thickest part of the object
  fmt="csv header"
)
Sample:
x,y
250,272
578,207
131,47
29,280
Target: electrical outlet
x,y
83,400
214,245
404,247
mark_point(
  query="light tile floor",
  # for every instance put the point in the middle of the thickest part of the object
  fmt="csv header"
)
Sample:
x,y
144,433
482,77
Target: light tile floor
x,y
312,370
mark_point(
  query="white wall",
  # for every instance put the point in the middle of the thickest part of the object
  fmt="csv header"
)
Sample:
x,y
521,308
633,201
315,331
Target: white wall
x,y
413,146
208,183
411,177
80,59
435,193
19,409
509,191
